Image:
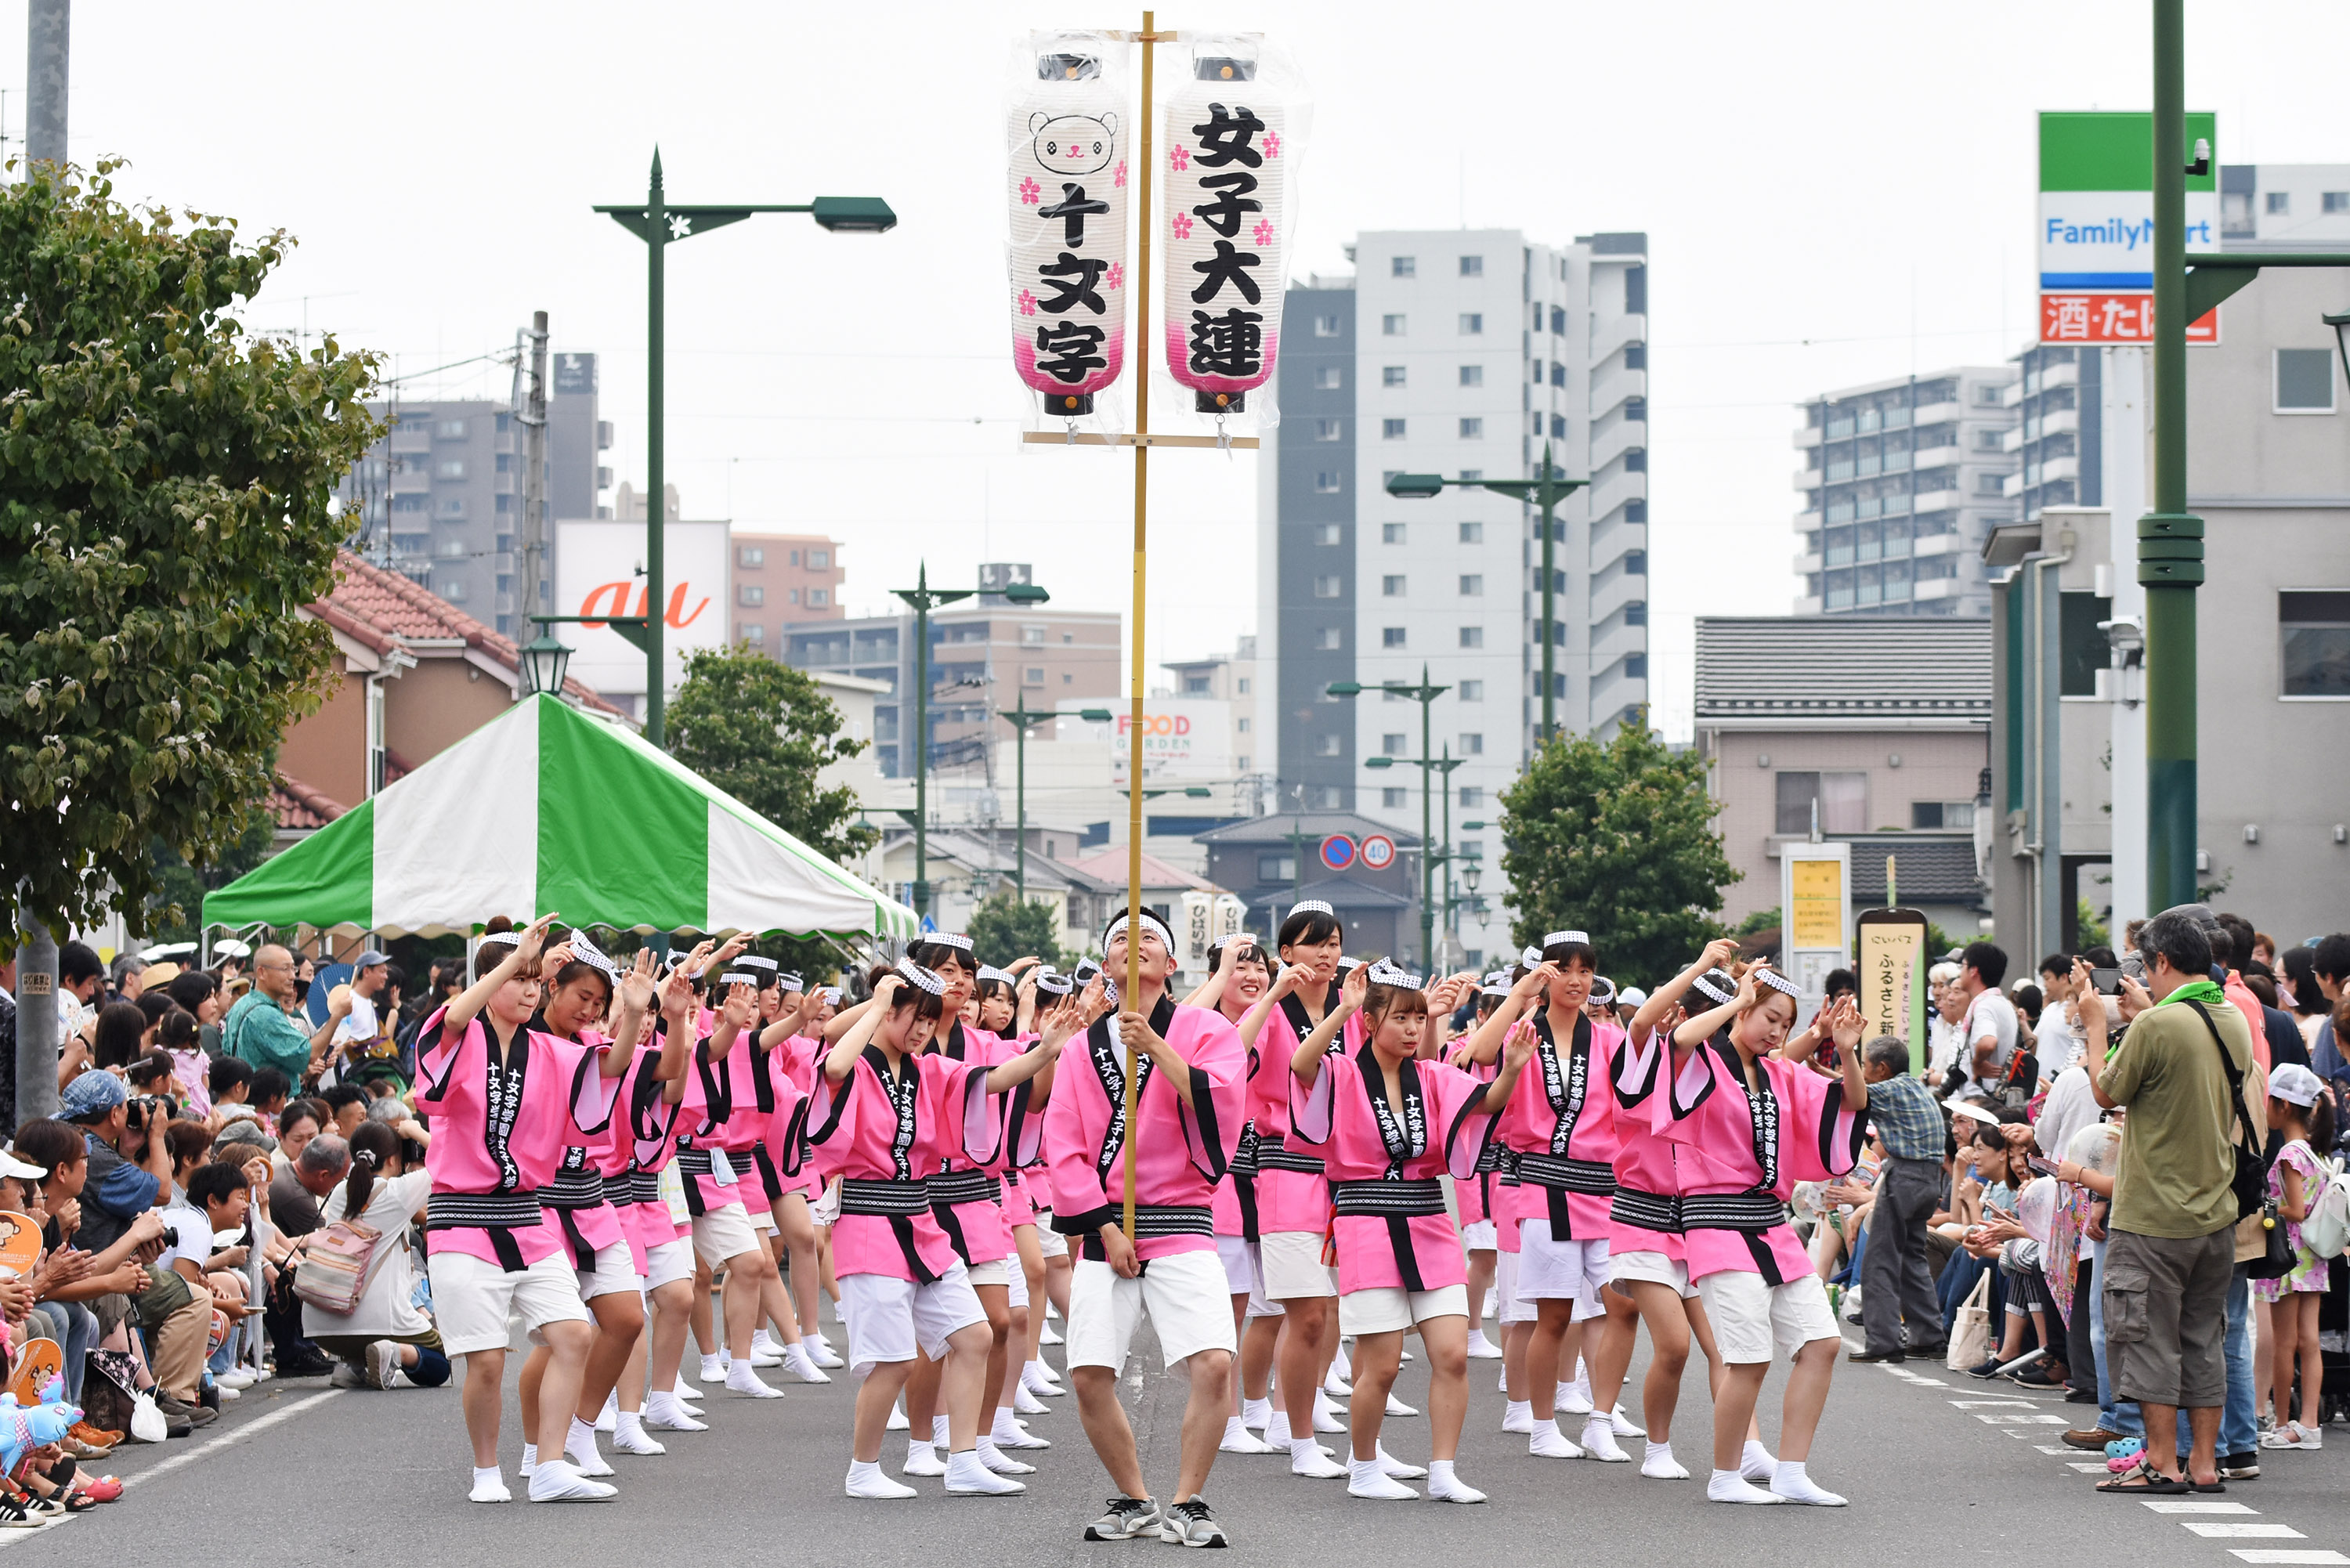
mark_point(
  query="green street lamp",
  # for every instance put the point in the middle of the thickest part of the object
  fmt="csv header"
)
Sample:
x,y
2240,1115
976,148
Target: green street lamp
x,y
660,225
1425,694
925,598
544,659
1023,718
1546,490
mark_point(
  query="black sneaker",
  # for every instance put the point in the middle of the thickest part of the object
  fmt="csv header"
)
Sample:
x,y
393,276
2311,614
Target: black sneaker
x,y
1933,1351
1190,1524
1128,1517
1888,1356
2239,1466
1986,1370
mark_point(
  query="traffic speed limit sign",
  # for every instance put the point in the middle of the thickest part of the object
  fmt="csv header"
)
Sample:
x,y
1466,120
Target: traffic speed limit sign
x,y
1379,852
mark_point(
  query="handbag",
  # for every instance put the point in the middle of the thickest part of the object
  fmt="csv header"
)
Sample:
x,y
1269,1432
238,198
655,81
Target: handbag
x,y
1971,1331
340,1259
2275,1261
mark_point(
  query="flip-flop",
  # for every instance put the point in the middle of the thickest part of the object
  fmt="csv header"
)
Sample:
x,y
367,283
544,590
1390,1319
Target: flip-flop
x,y
2214,1486
2153,1484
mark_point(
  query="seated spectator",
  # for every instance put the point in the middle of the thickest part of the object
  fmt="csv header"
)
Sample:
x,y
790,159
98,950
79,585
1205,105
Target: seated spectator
x,y
345,1108
122,1034
268,1098
294,1199
384,1342
230,1082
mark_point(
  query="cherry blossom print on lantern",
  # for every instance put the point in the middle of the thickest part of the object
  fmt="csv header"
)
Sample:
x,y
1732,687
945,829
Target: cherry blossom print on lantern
x,y
1069,173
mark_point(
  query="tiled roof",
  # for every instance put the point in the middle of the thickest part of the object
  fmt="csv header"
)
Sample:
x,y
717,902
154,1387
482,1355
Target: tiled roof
x,y
1851,667
299,808
383,610
1314,825
1109,865
1938,868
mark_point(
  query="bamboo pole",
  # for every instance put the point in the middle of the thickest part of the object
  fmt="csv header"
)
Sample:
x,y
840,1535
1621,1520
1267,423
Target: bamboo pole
x,y
1129,996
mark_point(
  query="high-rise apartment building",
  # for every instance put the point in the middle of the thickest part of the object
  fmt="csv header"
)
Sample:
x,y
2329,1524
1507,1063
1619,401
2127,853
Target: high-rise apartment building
x,y
1467,352
1901,480
782,579
438,499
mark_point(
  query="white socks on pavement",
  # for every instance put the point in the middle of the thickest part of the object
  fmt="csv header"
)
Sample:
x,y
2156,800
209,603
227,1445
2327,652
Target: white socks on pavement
x,y
1238,1439
1729,1486
1547,1442
1444,1484
1009,1433
1660,1465
1037,1379
490,1485
580,1446
742,1380
1518,1415
1480,1349
923,1460
665,1411
1599,1441
1307,1459
800,1364
1327,1416
1276,1428
607,1420
1756,1464
556,1481
999,1462
1397,1408
866,1479
1789,1481
1366,1479
629,1436
1391,1466
713,1369
967,1477
1025,1402
1256,1413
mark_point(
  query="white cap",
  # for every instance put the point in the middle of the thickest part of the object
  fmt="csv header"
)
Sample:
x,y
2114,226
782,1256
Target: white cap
x,y
1631,995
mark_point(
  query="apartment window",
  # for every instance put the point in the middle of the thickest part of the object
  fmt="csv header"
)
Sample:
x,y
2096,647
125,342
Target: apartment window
x,y
1472,533
1327,325
454,592
1403,266
749,594
452,429
1558,375
2280,203
819,560
1941,814
1327,429
2335,201
1067,679
1989,485
1069,637
1329,640
749,633
1474,266
1636,666
1391,429
750,556
1394,799
2305,380
1472,430
1473,323
1241,726
1392,743
1472,585
1329,745
1326,481
1032,637
1391,533
453,469
1473,637
1473,797
1391,636
1330,797
1329,379
1637,613
1330,533
1843,798
1472,744
2083,649
795,556
1472,375
1391,375
1557,319
1473,691
1241,688
1326,587
1391,586
1033,675
2316,629
1276,868
1391,326
819,596
791,595
1988,439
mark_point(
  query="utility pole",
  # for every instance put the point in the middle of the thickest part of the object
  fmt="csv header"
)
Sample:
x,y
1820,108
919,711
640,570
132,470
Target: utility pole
x,y
48,37
1425,694
530,412
923,598
1022,718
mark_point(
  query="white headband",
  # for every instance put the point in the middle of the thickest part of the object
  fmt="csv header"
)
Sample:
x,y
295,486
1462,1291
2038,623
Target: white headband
x,y
954,940
928,980
830,994
1224,941
1386,973
752,960
989,972
787,980
501,938
739,977
1312,907
1531,957
1559,938
1166,934
1495,985
1053,984
1778,982
1708,985
1602,989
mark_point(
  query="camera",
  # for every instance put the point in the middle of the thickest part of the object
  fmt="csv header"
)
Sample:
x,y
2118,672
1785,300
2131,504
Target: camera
x,y
162,1108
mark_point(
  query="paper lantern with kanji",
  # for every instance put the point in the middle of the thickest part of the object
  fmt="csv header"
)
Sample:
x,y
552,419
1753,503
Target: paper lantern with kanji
x,y
1067,179
1227,150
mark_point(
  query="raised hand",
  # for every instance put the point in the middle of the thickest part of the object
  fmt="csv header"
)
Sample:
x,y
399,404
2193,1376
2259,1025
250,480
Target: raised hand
x,y
638,986
534,940
1357,985
740,999
1518,1045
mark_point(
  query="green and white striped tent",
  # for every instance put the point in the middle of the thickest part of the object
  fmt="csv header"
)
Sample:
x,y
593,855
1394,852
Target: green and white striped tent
x,y
547,809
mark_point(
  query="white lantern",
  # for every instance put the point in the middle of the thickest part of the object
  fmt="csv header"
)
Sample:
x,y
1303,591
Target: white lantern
x,y
1229,146
1067,179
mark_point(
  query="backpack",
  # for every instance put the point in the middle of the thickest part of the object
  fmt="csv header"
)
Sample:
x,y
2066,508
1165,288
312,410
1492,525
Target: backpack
x,y
2326,1231
338,1261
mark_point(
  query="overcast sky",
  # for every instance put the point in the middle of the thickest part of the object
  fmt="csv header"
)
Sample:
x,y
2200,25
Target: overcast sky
x,y
1832,192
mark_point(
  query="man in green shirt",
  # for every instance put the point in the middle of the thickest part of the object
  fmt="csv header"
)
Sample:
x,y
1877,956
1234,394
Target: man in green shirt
x,y
260,1030
2171,1246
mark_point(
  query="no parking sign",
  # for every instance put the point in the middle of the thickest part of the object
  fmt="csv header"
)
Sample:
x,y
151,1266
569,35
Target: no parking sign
x,y
1338,852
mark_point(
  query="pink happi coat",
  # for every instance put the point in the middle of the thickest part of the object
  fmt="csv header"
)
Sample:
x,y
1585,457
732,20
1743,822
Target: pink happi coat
x,y
1645,1214
1473,1194
499,1134
1235,1202
1390,1222
790,1067
1287,1197
1741,1151
975,1224
876,1125
643,1143
1181,1151
1561,1126
577,1201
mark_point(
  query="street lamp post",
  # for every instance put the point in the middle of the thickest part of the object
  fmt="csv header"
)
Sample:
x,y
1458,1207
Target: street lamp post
x,y
659,223
1546,491
1425,694
1023,718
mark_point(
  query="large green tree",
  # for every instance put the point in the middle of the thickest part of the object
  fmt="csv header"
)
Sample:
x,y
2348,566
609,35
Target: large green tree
x,y
165,512
1616,837
759,730
1004,928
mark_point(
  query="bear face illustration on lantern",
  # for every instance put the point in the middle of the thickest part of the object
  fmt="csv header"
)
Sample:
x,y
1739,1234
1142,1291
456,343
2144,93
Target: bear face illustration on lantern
x,y
1073,144
1066,170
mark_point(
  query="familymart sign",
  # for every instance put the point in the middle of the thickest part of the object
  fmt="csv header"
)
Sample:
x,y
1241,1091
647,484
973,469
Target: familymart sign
x,y
2097,226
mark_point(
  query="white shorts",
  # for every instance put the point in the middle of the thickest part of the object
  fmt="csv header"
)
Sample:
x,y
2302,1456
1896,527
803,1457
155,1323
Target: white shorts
x,y
1239,1256
1561,1271
889,1317
1015,1285
1389,1309
1049,1242
1292,1265
1648,1268
1478,1236
1514,1308
1184,1293
472,1298
989,1272
615,1271
669,1262
722,1233
1750,1317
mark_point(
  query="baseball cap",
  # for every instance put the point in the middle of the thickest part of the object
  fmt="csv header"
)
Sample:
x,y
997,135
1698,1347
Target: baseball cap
x,y
12,1166
369,959
2291,1082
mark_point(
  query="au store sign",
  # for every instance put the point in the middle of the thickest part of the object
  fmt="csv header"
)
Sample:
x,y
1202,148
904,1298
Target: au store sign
x,y
2095,235
598,571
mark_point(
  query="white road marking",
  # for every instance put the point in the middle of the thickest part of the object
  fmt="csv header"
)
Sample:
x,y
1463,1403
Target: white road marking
x,y
2193,1505
229,1439
2277,1554
2211,1530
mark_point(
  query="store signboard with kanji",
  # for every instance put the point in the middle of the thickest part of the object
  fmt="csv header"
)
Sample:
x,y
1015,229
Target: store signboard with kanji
x,y
2097,226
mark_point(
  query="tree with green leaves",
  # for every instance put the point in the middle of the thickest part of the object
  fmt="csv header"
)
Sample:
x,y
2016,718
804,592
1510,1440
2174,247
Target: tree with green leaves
x,y
166,484
1004,928
761,731
1616,837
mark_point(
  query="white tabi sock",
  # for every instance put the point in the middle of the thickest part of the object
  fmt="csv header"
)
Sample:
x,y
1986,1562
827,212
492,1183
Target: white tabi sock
x,y
713,1369
999,1462
1599,1441
1256,1413
1729,1486
1547,1442
664,1409
938,1432
1276,1429
966,1474
1443,1482
529,1459
1659,1464
1307,1458
581,1444
1790,1482
866,1479
1755,1463
1009,1433
1518,1415
802,1366
629,1436
1366,1479
490,1485
923,1460
608,1418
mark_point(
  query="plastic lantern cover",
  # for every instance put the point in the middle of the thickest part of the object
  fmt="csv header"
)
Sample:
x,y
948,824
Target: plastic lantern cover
x,y
1067,176
1233,122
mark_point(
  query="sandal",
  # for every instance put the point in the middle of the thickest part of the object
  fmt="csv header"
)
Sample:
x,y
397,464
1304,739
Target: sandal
x,y
2146,1480
80,1502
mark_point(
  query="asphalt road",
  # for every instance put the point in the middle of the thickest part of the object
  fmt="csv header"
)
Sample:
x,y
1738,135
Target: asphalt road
x,y
1935,1464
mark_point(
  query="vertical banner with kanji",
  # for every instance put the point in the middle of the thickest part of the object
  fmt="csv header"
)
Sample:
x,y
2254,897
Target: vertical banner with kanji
x,y
1230,135
1067,176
